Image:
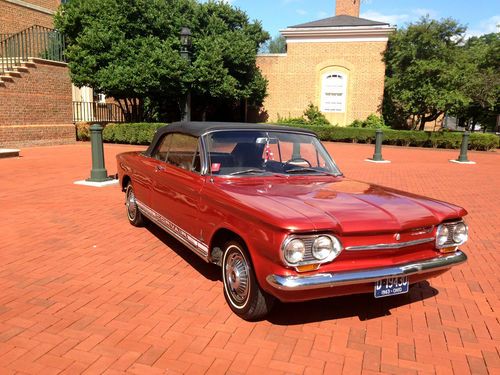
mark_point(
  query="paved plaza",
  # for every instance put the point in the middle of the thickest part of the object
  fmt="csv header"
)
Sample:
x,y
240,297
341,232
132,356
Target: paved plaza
x,y
82,291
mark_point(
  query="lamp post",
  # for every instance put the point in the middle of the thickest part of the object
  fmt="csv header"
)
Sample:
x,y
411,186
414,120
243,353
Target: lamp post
x,y
186,55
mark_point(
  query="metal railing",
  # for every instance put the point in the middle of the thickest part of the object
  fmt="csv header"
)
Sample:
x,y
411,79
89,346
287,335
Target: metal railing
x,y
33,42
97,111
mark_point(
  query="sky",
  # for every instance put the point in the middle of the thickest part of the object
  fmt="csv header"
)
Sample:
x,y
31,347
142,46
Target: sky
x,y
480,16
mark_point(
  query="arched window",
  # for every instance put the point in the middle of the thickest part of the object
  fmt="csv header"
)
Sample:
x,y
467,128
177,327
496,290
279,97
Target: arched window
x,y
333,92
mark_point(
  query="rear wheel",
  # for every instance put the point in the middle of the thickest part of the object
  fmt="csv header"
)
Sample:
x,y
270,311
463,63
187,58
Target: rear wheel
x,y
133,214
241,290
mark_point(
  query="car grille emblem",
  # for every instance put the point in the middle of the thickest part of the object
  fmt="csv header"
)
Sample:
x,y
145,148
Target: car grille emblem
x,y
397,236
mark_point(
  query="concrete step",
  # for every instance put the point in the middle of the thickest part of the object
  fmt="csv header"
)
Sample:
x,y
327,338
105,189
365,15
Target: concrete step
x,y
21,69
6,78
28,64
9,153
13,73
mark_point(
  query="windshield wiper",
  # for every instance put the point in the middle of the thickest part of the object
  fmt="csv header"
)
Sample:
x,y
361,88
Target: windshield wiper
x,y
305,169
248,171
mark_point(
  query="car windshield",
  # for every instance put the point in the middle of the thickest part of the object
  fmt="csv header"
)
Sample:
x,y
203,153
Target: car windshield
x,y
250,153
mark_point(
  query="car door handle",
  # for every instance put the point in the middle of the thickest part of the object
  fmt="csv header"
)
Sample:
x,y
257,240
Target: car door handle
x,y
159,168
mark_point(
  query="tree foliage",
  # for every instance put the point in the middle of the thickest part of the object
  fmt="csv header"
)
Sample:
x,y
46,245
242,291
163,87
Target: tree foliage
x,y
130,50
423,72
275,45
481,70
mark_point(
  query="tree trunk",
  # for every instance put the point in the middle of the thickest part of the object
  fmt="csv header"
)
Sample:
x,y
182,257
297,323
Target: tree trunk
x,y
431,117
422,123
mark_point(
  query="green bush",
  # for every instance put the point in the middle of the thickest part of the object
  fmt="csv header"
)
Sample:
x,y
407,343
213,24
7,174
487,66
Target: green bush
x,y
142,134
133,133
371,122
314,116
82,131
292,121
484,142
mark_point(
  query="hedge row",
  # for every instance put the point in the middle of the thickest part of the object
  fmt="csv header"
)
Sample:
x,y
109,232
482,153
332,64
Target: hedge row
x,y
477,141
132,133
142,133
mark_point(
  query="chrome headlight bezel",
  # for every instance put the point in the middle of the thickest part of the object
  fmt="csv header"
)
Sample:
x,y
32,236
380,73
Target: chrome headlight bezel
x,y
309,257
299,252
461,238
446,234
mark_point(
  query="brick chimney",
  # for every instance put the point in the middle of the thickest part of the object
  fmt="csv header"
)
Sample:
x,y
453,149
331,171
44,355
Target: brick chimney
x,y
347,7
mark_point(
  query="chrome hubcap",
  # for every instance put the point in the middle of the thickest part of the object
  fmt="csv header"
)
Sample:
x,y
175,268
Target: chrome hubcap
x,y
237,277
131,204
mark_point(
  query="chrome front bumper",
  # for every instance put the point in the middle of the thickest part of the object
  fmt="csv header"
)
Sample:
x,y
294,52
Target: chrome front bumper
x,y
332,279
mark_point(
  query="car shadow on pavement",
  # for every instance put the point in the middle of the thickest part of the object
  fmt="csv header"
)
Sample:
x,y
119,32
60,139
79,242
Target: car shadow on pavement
x,y
208,270
364,306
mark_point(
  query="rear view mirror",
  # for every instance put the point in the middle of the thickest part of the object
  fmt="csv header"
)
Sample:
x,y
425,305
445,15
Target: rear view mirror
x,y
265,140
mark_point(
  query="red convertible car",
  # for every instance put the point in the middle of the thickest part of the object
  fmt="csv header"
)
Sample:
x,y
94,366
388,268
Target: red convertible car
x,y
269,205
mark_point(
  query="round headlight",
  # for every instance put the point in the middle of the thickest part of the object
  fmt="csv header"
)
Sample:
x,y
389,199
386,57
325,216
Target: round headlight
x,y
322,247
460,234
294,251
442,235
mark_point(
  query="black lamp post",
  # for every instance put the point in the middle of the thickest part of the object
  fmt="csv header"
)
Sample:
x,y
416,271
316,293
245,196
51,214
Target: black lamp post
x,y
185,54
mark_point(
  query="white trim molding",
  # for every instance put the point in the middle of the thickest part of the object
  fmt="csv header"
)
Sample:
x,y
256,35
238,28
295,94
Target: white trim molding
x,y
338,34
25,4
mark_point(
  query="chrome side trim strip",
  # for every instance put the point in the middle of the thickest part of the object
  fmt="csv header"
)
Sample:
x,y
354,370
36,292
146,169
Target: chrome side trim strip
x,y
332,279
389,246
198,247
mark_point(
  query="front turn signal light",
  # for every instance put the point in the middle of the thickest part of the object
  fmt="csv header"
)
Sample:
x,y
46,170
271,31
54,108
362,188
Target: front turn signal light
x,y
307,268
450,249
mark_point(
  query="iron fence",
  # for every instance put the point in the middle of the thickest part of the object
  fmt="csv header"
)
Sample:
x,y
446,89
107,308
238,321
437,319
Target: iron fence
x,y
97,111
33,42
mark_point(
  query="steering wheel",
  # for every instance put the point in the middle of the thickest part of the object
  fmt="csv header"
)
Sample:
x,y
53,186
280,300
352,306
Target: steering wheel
x,y
294,160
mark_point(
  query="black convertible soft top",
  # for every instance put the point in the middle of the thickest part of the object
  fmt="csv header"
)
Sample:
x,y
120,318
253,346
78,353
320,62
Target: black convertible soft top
x,y
198,128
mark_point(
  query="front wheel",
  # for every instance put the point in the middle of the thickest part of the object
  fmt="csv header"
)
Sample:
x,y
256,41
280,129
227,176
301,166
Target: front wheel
x,y
133,214
241,290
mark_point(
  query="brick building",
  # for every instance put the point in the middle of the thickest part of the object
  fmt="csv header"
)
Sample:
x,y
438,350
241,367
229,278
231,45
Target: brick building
x,y
35,87
335,63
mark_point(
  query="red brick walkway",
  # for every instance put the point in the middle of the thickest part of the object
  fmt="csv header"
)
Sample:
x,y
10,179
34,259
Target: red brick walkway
x,y
83,291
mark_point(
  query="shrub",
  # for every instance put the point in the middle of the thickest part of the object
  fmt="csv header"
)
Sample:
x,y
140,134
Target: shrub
x,y
297,121
83,131
371,122
314,116
142,134
133,133
356,124
483,142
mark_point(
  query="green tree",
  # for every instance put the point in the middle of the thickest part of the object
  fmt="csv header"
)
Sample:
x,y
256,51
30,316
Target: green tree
x,y
481,70
423,72
130,50
275,45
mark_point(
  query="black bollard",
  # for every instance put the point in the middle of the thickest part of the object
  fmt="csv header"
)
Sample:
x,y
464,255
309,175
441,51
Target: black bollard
x,y
462,158
377,156
98,172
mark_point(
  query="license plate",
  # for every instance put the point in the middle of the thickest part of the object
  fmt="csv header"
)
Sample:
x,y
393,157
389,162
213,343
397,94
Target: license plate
x,y
391,286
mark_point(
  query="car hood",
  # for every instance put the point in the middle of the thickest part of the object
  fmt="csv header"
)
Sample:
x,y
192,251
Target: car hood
x,y
340,204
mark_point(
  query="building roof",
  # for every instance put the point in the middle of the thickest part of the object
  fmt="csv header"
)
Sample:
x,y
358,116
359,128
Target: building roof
x,y
339,21
198,128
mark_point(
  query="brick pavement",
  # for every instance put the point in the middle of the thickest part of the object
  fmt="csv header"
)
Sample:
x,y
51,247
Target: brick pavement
x,y
82,291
